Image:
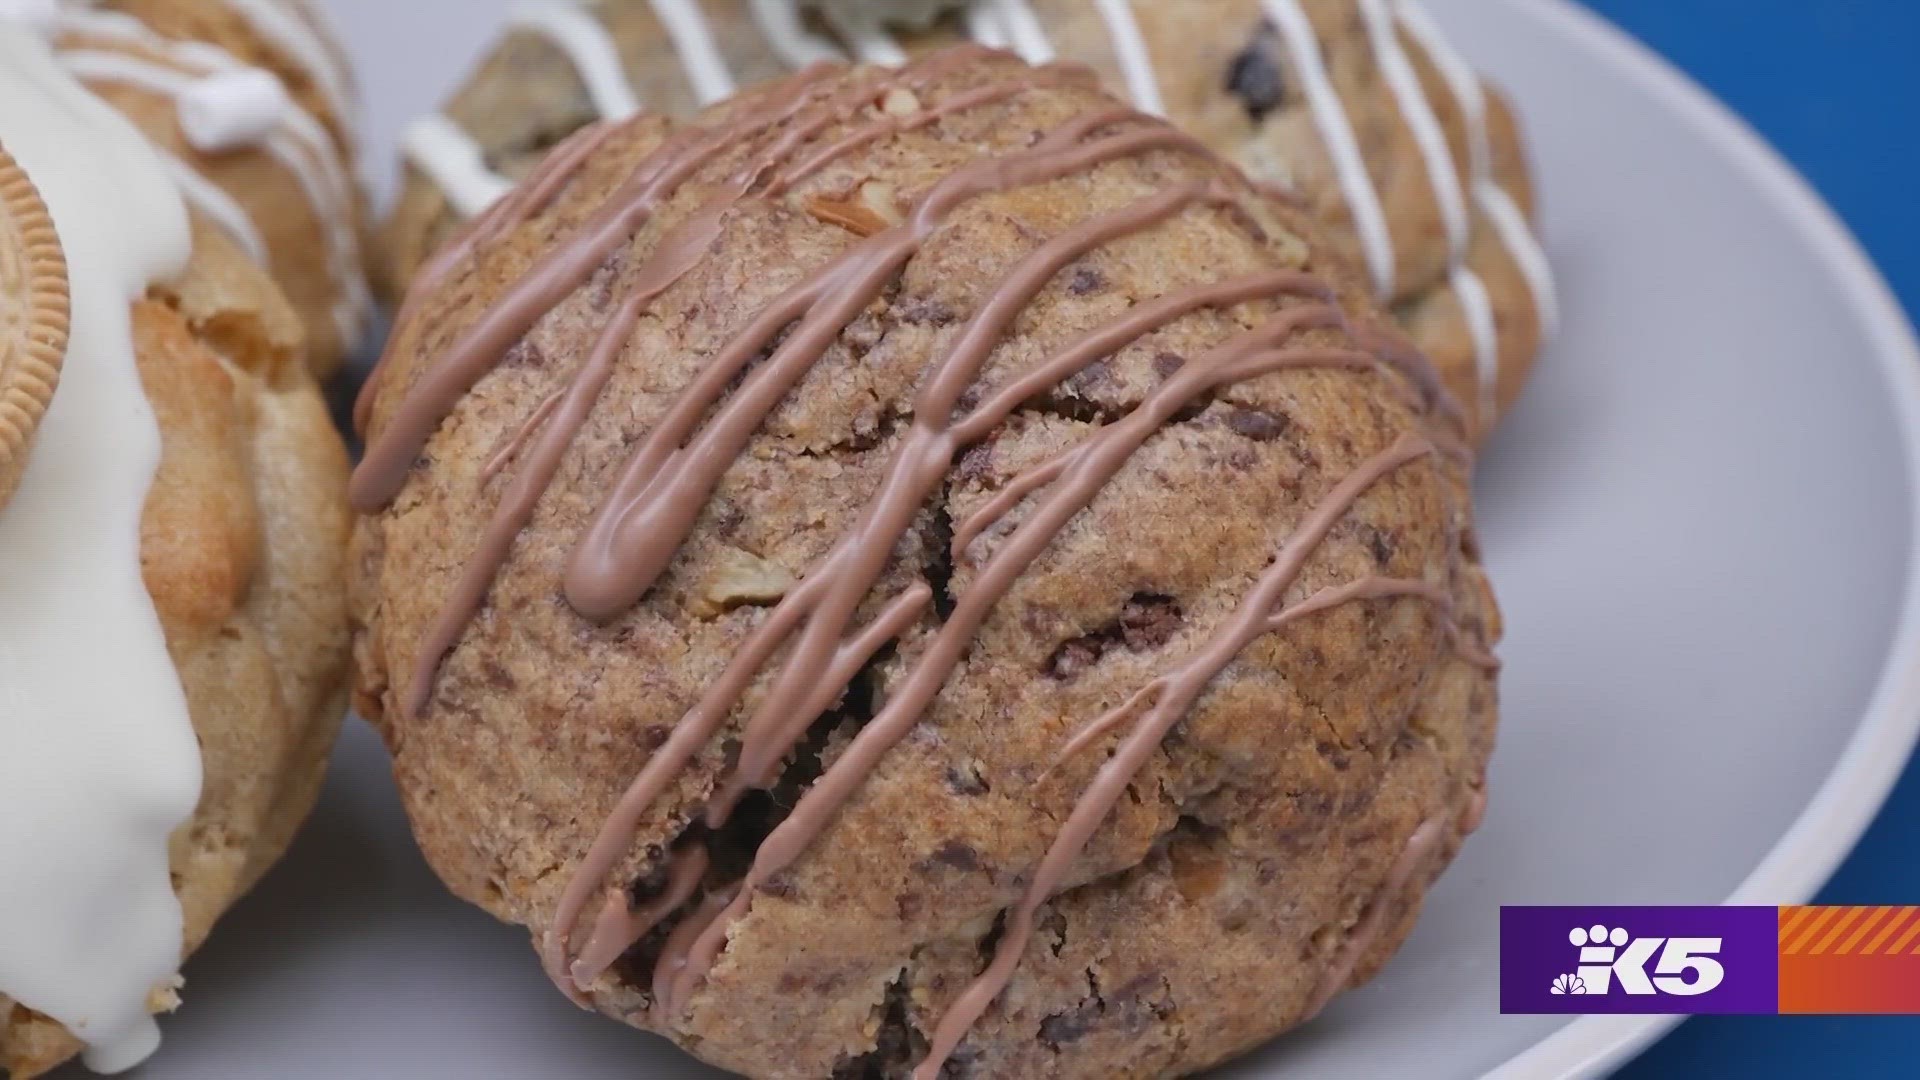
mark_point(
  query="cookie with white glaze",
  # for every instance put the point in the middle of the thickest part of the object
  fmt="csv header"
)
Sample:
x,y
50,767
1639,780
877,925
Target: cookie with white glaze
x,y
1362,106
168,724
255,107
922,571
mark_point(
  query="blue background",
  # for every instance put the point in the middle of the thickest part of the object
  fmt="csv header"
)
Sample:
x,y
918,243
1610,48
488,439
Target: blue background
x,y
1835,85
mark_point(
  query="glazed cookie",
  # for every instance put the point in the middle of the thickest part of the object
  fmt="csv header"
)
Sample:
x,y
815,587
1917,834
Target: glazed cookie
x,y
1360,106
251,104
922,570
173,640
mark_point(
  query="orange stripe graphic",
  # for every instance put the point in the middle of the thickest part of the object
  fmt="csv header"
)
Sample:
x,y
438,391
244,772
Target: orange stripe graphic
x,y
1849,918
1822,917
1913,931
1879,916
1901,917
1791,919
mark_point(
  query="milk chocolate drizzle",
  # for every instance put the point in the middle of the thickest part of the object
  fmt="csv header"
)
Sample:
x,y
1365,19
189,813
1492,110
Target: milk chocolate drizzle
x,y
672,472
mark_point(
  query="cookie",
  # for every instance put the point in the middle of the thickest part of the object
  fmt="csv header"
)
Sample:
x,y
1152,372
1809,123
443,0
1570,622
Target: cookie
x,y
253,106
922,571
1361,107
33,317
189,474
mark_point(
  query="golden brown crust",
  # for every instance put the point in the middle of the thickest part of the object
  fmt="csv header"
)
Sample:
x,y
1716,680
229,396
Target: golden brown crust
x,y
242,543
294,229
1208,909
33,317
525,97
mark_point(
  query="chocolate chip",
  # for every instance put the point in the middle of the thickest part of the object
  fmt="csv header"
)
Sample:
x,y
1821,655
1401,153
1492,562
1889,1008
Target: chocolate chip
x,y
1071,1026
1072,658
1166,364
1254,75
1086,280
1092,377
524,353
1381,545
1256,425
961,1065
922,311
966,780
957,855
975,464
1147,622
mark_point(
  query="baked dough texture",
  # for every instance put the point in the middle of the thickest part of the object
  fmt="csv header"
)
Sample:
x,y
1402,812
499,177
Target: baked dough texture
x,y
242,544
1226,74
1272,850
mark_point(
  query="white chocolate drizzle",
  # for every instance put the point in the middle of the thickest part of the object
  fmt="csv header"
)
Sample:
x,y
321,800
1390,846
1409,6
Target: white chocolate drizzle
x,y
1443,179
866,38
797,46
100,762
983,25
1024,31
575,32
1336,131
457,164
687,25
224,105
297,141
1136,62
289,28
1511,227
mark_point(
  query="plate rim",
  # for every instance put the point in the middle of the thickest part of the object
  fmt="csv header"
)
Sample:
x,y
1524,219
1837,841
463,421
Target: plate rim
x,y
1877,753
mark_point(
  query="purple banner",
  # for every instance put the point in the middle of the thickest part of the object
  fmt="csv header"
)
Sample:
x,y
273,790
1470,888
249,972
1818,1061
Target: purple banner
x,y
1670,960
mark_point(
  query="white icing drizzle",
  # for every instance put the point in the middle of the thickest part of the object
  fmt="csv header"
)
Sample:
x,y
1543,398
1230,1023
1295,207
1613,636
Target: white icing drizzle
x,y
588,47
1517,234
1023,30
1510,225
797,46
983,25
100,764
1443,178
455,163
869,42
298,143
229,110
1336,131
212,200
1462,81
1136,63
693,39
1476,306
1404,83
291,32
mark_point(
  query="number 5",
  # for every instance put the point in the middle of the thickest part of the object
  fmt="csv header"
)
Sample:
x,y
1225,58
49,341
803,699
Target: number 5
x,y
1682,955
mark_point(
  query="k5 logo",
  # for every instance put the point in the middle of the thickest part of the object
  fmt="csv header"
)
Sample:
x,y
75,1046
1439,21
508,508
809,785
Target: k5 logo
x,y
1685,965
1651,960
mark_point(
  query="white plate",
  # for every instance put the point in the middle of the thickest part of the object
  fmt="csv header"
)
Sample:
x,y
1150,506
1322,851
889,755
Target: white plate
x,y
1700,521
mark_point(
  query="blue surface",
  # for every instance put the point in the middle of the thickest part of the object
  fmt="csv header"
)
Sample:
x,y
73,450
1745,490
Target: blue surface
x,y
1834,85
